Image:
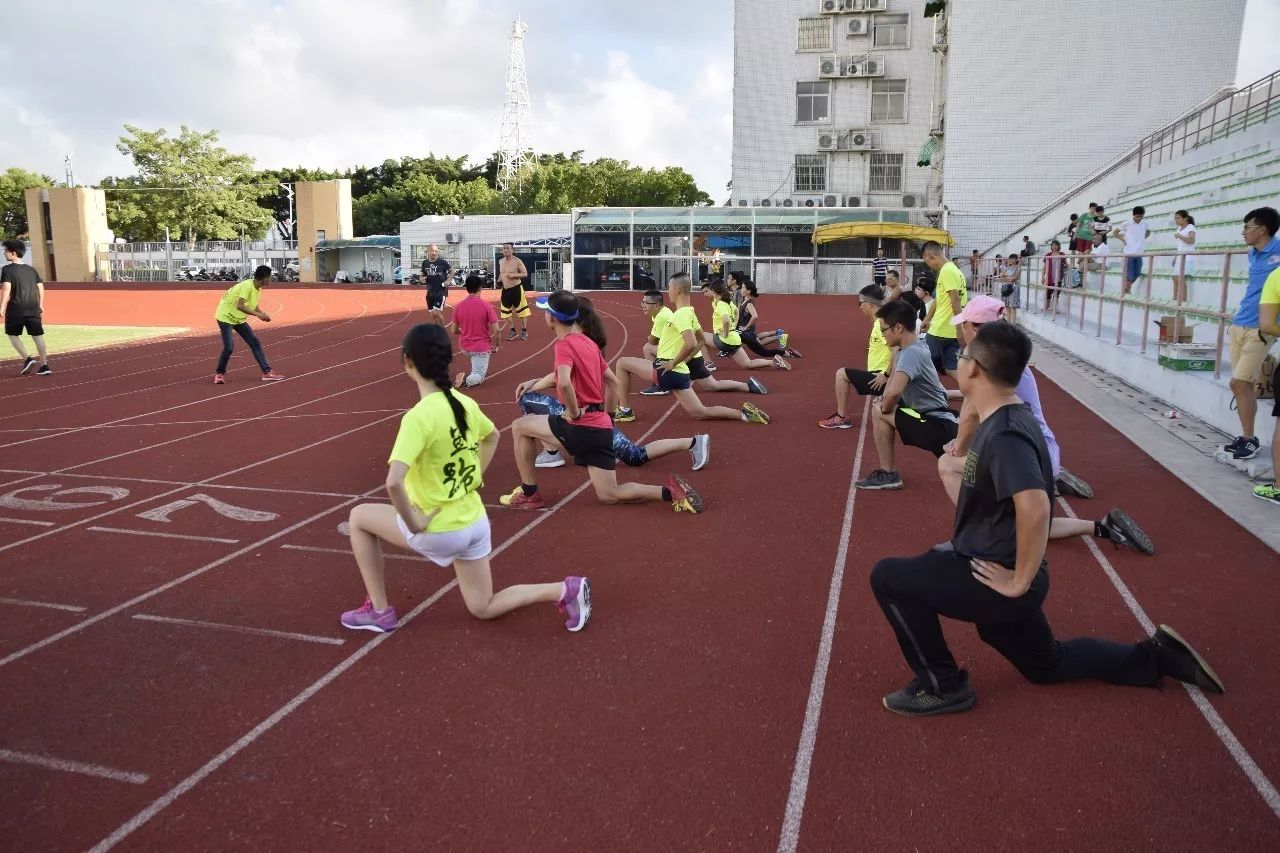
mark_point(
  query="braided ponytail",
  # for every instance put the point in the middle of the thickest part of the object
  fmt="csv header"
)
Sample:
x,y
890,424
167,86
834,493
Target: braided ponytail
x,y
427,345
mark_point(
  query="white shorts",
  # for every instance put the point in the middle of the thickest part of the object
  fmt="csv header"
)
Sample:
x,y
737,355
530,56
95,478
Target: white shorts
x,y
1177,265
469,543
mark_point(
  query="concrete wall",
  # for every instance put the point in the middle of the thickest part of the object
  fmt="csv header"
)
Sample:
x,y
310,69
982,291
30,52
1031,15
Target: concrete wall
x,y
77,221
38,227
321,206
766,135
1041,95
475,235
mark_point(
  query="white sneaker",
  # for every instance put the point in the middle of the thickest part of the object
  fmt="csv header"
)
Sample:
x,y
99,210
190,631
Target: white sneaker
x,y
701,451
548,459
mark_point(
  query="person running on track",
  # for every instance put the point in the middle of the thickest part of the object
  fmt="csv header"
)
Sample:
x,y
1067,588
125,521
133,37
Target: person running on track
x,y
232,315
748,317
996,577
872,381
477,326
435,272
22,307
511,275
437,465
677,346
726,338
585,432
1116,526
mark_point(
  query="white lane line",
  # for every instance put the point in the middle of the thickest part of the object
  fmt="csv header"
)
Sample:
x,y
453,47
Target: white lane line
x,y
169,797
208,421
160,535
240,629
346,552
790,836
50,763
31,521
22,602
1243,759
118,478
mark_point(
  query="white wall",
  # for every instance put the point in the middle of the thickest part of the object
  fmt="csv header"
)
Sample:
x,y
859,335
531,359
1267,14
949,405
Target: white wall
x,y
1041,94
477,231
767,67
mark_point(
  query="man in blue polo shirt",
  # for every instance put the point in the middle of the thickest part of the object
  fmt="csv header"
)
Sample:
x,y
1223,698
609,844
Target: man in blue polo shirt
x,y
1249,344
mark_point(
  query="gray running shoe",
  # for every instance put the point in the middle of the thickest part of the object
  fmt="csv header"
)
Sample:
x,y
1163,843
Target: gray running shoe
x,y
881,479
1072,486
701,451
549,459
1123,530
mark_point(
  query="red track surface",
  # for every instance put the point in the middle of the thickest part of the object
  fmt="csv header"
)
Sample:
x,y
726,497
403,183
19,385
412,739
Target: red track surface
x,y
671,723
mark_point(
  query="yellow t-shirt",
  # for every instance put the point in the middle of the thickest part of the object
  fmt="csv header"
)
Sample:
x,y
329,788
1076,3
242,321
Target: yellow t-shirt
x,y
660,321
1271,289
227,312
721,311
878,355
444,467
671,341
950,280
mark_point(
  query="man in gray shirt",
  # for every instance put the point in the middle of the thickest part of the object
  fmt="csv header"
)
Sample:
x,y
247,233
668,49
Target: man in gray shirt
x,y
914,405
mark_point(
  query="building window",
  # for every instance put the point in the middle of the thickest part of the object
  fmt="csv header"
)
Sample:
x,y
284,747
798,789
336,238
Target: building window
x,y
811,173
813,102
814,34
891,31
888,100
886,173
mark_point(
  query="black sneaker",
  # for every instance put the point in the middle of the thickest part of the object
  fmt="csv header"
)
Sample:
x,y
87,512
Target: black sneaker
x,y
45,371
914,701
654,391
1235,445
27,365
1072,486
722,354
881,479
1177,659
1123,530
755,386
1247,449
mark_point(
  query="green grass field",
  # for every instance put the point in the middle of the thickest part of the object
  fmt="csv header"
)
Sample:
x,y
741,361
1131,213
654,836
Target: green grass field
x,y
62,339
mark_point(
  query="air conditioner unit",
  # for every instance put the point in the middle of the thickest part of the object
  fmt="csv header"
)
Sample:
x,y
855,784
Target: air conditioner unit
x,y
786,202
831,201
851,68
829,66
909,201
859,140
853,201
875,5
840,7
453,238
872,68
812,201
858,27
742,202
766,202
828,141
830,7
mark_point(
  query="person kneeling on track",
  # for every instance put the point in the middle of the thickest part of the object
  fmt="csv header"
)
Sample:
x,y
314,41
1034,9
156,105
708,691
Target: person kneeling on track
x,y
726,338
872,381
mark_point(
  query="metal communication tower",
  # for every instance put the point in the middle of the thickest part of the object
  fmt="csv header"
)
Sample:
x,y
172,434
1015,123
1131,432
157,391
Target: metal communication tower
x,y
516,137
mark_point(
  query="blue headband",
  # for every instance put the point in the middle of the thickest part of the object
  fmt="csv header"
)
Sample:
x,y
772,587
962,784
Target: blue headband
x,y
545,305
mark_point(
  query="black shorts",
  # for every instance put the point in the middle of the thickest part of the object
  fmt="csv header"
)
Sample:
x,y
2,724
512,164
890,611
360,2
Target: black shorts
x,y
726,348
513,302
15,325
861,381
697,368
879,280
435,298
669,381
1275,408
927,432
590,447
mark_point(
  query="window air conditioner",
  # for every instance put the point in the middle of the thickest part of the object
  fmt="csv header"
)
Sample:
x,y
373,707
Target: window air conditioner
x,y
858,140
852,201
909,201
453,238
766,202
829,66
827,141
831,201
858,27
742,202
873,68
786,202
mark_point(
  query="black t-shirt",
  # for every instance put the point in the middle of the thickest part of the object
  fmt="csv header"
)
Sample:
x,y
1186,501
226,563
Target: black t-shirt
x,y
24,296
435,272
1008,455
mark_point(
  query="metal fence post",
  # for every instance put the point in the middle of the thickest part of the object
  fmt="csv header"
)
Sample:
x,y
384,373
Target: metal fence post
x,y
1222,310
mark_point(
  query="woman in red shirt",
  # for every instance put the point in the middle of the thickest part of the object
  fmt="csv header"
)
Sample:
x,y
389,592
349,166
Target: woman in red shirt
x,y
585,430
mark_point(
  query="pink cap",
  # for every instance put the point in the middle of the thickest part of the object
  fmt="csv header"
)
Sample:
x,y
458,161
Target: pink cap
x,y
980,309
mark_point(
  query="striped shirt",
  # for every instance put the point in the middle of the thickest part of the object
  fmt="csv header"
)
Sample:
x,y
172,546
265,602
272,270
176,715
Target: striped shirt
x,y
881,266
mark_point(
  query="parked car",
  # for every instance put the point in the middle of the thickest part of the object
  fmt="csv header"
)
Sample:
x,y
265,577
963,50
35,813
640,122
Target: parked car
x,y
618,277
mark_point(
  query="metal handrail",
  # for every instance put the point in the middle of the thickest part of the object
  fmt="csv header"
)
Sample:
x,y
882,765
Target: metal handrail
x,y
1182,130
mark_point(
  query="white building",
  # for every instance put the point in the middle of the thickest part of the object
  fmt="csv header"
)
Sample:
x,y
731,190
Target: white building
x,y
1042,94
474,242
833,101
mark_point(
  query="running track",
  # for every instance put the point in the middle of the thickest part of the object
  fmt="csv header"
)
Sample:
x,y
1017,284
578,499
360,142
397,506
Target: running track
x,y
184,684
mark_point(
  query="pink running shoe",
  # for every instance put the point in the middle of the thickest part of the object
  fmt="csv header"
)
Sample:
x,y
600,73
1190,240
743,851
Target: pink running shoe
x,y
271,376
575,602
365,618
519,500
219,379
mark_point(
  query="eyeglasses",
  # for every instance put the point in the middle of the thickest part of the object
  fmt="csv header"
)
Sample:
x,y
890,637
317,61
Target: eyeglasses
x,y
964,354
1250,225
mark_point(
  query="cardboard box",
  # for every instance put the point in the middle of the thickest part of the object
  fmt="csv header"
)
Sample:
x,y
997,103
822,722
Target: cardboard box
x,y
1191,357
1166,326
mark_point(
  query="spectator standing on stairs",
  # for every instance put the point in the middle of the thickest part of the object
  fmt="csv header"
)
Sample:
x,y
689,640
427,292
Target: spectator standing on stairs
x,y
1249,343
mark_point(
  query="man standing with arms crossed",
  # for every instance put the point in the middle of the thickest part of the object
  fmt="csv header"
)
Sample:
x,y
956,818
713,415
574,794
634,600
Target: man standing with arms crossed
x,y
511,274
435,272
950,296
22,306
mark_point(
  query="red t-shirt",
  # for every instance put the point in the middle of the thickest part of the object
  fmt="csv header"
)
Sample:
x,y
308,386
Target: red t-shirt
x,y
474,316
586,375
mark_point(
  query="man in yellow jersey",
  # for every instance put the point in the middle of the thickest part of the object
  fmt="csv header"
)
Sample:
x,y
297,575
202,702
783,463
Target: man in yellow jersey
x,y
233,312
950,295
1269,324
869,382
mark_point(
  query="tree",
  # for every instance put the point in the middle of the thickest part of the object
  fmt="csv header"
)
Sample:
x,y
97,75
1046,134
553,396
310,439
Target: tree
x,y
382,211
197,188
556,184
13,204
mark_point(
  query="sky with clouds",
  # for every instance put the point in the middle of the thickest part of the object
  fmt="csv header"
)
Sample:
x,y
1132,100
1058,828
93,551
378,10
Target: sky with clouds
x,y
334,83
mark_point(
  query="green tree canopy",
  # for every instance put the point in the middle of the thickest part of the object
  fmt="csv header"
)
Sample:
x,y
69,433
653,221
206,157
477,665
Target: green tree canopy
x,y
13,205
382,211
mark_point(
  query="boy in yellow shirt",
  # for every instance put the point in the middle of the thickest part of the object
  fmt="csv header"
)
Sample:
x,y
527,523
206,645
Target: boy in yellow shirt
x,y
233,312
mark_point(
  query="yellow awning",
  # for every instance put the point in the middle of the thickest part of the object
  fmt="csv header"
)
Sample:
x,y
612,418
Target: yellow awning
x,y
895,230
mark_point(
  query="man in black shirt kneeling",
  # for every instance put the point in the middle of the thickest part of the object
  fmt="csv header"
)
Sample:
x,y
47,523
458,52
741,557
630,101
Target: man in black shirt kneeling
x,y
996,576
